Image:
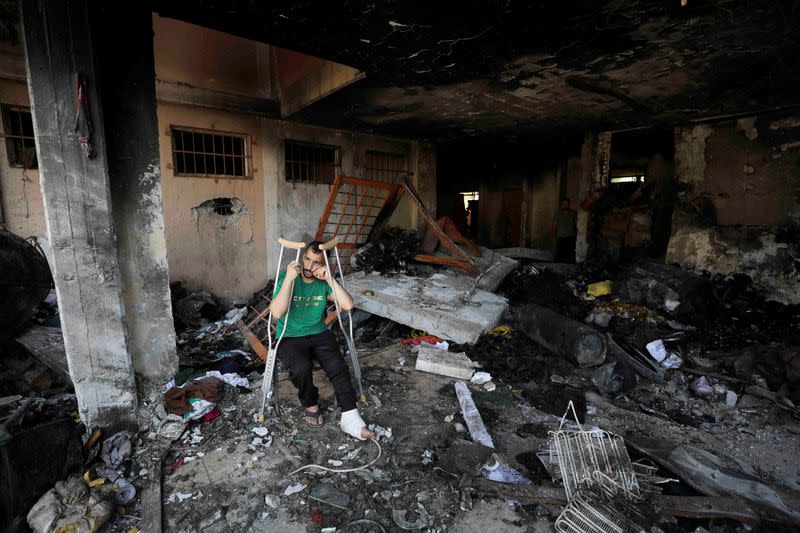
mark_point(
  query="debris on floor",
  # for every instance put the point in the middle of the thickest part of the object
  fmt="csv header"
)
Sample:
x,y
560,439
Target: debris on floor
x,y
633,367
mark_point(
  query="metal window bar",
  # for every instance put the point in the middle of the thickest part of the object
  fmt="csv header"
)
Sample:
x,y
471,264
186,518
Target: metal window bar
x,y
311,162
386,167
210,154
20,147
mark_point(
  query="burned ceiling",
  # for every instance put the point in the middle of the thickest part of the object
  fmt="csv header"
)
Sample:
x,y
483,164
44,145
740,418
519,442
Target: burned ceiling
x,y
453,69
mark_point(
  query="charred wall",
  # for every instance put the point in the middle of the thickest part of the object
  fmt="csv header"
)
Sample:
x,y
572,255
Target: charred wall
x,y
740,207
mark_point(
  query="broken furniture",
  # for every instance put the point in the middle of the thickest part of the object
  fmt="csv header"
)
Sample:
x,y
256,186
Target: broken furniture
x,y
358,210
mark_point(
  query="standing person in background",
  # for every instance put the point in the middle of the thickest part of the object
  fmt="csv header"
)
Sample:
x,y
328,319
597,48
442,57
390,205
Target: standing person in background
x,y
565,231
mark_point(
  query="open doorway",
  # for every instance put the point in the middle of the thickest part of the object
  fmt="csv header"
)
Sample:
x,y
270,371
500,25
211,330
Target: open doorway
x,y
470,199
641,193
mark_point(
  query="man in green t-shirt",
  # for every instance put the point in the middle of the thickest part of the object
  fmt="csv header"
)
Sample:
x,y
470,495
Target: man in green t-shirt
x,y
307,338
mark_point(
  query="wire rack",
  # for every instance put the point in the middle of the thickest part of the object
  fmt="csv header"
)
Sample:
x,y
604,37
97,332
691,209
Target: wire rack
x,y
588,458
602,485
598,511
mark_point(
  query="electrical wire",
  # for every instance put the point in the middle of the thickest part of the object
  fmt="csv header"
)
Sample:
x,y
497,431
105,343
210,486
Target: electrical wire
x,y
341,470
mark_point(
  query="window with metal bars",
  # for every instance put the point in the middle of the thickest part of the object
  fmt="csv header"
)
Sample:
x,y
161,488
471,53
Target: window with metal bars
x,y
210,154
311,162
18,131
386,167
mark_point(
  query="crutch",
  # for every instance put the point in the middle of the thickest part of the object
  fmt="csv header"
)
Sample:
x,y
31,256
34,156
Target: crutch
x,y
272,351
348,335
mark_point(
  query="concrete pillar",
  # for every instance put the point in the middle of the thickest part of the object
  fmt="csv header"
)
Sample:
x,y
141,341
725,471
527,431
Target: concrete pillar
x,y
584,190
595,162
92,198
126,83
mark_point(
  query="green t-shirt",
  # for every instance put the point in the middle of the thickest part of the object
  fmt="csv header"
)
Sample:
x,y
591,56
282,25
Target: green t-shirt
x,y
307,309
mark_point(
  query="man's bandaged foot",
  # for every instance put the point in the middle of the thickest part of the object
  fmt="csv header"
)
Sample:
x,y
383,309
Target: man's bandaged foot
x,y
352,423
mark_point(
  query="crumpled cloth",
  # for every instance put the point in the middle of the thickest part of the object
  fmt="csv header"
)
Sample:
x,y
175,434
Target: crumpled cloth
x,y
116,449
233,379
176,399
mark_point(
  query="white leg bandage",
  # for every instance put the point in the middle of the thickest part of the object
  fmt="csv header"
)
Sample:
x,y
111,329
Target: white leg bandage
x,y
352,423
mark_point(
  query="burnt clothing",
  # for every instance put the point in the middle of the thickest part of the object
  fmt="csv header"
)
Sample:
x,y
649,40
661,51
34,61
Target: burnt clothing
x,y
298,355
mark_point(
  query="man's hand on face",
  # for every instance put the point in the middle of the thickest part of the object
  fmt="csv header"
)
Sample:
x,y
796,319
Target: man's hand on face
x,y
321,273
293,270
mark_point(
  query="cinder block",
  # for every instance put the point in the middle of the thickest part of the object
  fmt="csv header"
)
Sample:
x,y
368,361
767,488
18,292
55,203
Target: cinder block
x,y
455,365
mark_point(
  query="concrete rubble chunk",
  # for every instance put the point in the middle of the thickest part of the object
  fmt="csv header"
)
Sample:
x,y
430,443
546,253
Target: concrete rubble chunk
x,y
454,365
435,304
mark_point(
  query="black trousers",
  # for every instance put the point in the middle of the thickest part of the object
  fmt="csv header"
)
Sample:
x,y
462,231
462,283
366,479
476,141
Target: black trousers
x,y
298,354
565,249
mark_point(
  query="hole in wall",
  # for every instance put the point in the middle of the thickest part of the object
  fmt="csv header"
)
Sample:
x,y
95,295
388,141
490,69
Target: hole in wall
x,y
223,206
220,215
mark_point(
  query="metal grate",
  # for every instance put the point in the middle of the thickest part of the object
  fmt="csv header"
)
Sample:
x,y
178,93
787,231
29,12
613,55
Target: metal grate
x,y
600,481
588,458
311,162
600,511
387,167
20,141
210,154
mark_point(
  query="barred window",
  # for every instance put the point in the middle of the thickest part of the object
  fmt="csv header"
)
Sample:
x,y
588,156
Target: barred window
x,y
311,162
387,167
210,154
20,143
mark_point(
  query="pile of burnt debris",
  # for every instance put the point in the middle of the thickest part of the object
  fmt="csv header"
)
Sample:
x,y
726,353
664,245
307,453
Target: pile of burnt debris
x,y
687,381
654,322
636,398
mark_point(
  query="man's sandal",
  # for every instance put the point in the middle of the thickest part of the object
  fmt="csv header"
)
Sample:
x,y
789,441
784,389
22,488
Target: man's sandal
x,y
313,415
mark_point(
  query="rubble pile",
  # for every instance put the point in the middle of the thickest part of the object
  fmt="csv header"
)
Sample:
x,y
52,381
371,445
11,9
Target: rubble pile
x,y
714,324
708,381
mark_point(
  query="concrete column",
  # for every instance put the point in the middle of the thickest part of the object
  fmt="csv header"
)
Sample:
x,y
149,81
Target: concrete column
x,y
425,179
584,190
126,83
595,162
91,200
